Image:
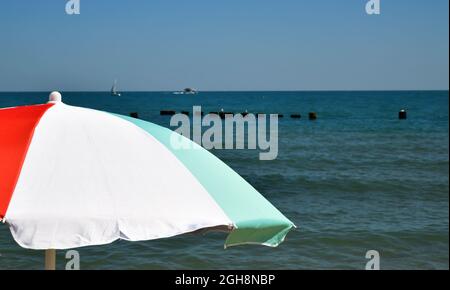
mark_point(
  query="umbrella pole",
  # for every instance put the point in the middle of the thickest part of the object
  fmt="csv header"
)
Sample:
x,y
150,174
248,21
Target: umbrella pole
x,y
50,259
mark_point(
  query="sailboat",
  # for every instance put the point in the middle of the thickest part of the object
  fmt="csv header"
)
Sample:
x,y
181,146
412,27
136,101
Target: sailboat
x,y
114,91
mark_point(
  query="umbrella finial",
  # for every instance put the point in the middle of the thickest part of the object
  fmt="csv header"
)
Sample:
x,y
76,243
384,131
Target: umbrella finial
x,y
55,97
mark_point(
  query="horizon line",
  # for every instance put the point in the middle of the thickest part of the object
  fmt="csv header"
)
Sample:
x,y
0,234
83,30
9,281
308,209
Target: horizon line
x,y
218,91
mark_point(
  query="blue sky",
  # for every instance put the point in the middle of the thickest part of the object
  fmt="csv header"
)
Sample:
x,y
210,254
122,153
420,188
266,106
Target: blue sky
x,y
224,45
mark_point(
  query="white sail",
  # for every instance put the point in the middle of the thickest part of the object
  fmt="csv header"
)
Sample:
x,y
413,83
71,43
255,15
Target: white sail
x,y
114,89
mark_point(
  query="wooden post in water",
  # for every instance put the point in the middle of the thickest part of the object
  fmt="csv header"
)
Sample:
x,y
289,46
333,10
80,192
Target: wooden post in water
x,y
50,259
402,115
313,116
134,115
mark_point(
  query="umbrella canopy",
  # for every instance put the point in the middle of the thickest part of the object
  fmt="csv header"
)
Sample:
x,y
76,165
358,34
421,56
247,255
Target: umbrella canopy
x,y
73,177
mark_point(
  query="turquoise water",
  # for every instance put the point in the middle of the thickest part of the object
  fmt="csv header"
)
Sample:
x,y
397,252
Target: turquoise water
x,y
357,179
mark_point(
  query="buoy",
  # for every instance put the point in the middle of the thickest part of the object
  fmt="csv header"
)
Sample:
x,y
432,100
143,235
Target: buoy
x,y
402,115
134,115
167,113
313,116
296,116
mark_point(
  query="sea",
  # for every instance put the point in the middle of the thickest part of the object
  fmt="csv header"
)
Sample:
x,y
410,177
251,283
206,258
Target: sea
x,y
354,180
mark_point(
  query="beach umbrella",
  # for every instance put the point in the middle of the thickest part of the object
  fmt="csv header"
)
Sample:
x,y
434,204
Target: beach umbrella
x,y
73,177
